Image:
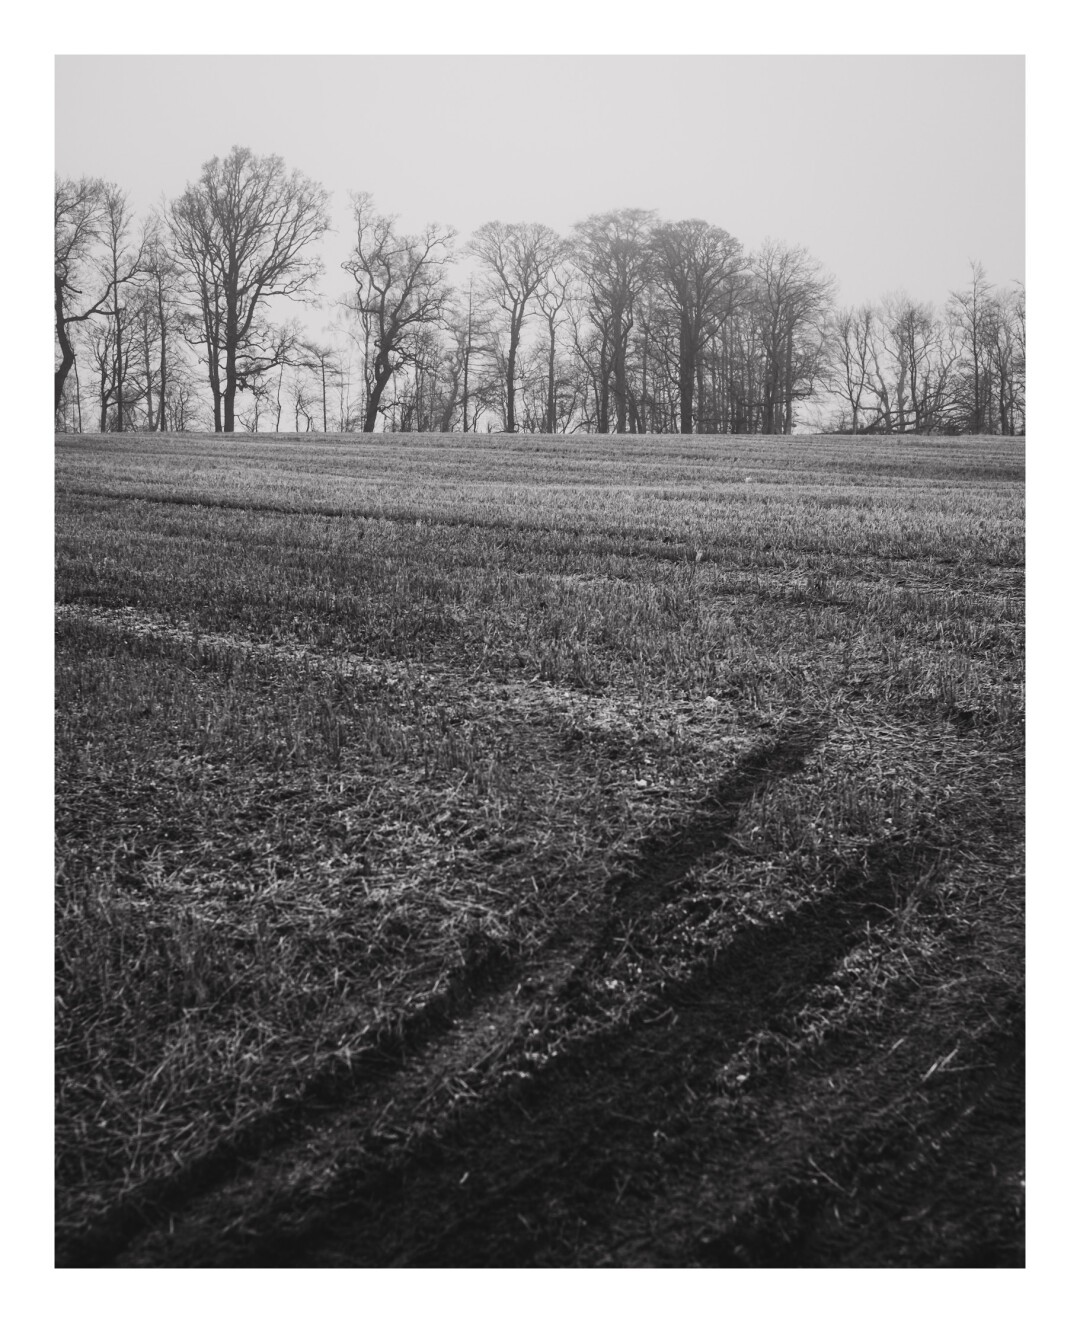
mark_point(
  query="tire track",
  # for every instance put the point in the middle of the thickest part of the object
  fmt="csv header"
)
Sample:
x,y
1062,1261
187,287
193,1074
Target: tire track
x,y
566,1133
600,1115
481,1036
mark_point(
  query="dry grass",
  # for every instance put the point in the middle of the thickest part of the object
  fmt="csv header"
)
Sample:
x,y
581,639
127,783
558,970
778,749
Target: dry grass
x,y
349,728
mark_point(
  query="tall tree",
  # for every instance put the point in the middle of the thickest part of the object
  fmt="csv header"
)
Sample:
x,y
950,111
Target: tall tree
x,y
553,297
614,255
471,364
694,266
850,337
892,364
78,213
1007,359
516,259
462,331
401,286
243,234
794,295
121,265
972,311
101,344
924,359
157,313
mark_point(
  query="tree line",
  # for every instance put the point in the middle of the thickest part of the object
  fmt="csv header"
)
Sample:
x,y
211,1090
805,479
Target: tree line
x,y
629,323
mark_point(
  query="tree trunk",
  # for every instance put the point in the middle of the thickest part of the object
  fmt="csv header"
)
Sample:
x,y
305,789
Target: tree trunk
x,y
637,424
619,384
67,354
162,327
228,401
232,336
511,366
603,397
645,415
789,384
551,379
78,395
978,395
162,425
103,395
467,354
702,399
686,378
382,376
149,384
119,360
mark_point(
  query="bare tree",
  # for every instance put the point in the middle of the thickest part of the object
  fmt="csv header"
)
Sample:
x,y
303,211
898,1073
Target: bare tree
x,y
78,215
694,266
972,311
850,332
553,298
462,330
615,257
261,395
101,347
474,371
590,351
144,334
184,401
400,286
1007,359
160,297
517,258
894,366
121,265
324,362
794,295
925,357
243,235
304,401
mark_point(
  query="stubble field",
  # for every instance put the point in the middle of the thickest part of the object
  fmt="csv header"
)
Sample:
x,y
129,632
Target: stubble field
x,y
530,851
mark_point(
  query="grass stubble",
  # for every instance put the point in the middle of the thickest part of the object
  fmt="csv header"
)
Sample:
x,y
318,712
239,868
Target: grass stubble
x,y
539,851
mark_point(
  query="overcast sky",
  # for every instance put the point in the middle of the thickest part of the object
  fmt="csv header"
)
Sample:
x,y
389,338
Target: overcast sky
x,y
893,171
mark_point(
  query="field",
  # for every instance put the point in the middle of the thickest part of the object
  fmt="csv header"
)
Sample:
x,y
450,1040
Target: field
x,y
540,852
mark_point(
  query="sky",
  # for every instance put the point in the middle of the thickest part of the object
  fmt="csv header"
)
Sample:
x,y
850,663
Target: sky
x,y
894,171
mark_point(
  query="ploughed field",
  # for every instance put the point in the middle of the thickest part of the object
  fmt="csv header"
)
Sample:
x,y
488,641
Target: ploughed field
x,y
531,851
